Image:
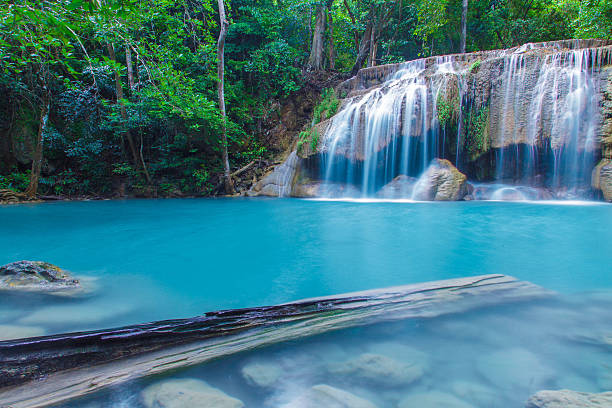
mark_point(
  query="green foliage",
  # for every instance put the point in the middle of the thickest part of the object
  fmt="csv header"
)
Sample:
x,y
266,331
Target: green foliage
x,y
327,107
310,137
478,132
60,49
15,181
475,65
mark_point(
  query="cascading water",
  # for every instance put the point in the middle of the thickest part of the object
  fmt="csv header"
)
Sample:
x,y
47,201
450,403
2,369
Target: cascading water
x,y
388,131
544,120
528,116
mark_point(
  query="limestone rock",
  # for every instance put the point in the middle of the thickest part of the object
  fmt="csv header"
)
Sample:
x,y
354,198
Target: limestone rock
x,y
278,183
380,369
569,399
327,190
602,178
441,182
401,186
325,396
187,392
433,399
35,276
262,374
11,332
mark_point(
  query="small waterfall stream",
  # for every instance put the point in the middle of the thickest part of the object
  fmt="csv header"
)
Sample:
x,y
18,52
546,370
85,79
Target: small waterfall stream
x,y
539,107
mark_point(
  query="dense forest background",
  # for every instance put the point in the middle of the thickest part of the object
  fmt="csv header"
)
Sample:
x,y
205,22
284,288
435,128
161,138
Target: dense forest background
x,y
111,97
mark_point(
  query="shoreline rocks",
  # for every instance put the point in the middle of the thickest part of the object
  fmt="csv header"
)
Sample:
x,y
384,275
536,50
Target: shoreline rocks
x,y
36,276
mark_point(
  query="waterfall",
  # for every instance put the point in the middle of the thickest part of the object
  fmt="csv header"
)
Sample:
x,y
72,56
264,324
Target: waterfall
x,y
545,118
390,130
528,116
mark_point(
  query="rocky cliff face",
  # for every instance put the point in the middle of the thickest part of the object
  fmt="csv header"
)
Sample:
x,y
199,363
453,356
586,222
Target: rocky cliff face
x,y
539,114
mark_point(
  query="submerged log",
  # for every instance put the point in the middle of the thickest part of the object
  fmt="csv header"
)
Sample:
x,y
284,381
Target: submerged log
x,y
46,370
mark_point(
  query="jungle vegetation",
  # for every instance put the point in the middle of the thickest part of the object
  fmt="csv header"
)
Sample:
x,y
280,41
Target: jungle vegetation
x,y
151,97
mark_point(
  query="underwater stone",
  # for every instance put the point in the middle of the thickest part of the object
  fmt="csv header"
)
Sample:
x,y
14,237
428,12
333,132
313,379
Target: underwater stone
x,y
326,396
514,368
261,374
35,276
187,392
475,393
379,369
569,399
433,399
441,182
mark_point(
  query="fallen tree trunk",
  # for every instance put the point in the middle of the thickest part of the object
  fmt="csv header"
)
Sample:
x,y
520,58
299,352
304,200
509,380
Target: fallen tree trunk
x,y
75,364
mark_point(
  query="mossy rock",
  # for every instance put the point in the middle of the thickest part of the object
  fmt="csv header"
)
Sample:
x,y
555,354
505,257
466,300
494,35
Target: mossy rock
x,y
36,276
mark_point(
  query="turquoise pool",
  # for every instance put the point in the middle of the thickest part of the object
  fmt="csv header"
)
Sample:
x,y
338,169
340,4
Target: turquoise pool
x,y
159,259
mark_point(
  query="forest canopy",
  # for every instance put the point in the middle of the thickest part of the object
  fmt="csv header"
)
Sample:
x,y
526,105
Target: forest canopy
x,y
100,96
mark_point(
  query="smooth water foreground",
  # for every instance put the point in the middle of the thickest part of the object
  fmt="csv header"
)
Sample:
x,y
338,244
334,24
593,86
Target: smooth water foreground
x,y
154,260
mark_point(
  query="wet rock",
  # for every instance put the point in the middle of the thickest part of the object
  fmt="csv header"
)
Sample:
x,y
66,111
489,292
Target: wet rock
x,y
278,183
400,187
262,374
324,396
36,276
182,393
433,399
569,399
441,182
513,369
379,369
327,190
601,178
475,393
508,194
10,332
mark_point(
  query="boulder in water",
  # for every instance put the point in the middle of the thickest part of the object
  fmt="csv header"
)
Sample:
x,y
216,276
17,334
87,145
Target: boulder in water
x,y
602,178
400,187
380,369
441,182
36,276
326,396
569,399
187,392
262,374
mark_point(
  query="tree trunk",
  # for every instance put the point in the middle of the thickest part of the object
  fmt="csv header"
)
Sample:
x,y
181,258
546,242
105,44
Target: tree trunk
x,y
355,34
332,50
229,185
32,189
138,159
128,62
464,11
364,48
373,47
315,61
